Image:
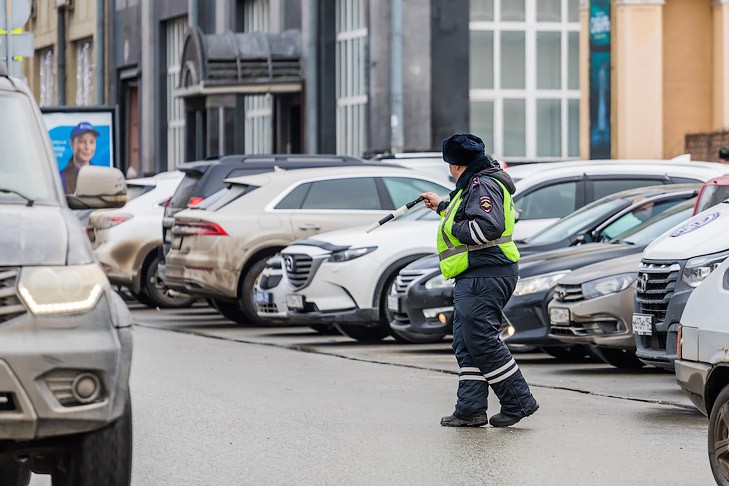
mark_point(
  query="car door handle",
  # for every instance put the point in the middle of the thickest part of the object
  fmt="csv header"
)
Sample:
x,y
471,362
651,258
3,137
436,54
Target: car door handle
x,y
309,227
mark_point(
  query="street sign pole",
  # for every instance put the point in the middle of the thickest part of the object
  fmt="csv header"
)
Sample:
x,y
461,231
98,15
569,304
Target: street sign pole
x,y
8,47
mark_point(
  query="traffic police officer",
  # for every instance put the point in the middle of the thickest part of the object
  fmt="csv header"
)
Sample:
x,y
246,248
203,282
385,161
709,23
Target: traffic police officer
x,y
475,248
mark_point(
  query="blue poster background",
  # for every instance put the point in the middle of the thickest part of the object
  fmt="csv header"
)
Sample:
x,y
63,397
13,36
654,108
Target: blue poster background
x,y
600,79
61,139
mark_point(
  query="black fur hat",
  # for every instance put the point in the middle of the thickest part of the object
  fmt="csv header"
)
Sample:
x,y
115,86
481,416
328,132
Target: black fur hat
x,y
462,149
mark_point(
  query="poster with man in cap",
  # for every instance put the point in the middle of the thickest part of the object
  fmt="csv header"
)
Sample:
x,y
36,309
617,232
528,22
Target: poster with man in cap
x,y
83,149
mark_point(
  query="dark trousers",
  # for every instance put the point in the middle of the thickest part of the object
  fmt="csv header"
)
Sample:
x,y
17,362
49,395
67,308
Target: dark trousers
x,y
483,358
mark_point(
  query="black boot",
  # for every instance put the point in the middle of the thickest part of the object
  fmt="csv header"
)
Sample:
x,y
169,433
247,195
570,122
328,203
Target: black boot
x,y
503,420
456,421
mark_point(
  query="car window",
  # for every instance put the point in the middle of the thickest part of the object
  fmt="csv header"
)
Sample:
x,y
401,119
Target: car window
x,y
184,191
294,199
686,180
553,201
420,213
136,190
23,162
404,189
605,187
573,223
636,217
711,196
657,225
355,193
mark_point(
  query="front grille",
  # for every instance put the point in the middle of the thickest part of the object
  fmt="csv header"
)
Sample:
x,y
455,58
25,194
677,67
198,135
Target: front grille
x,y
568,293
298,269
267,308
404,278
10,305
656,284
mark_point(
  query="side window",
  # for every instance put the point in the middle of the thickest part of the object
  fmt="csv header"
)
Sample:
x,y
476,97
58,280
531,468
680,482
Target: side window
x,y
356,193
686,180
403,189
636,217
605,187
294,199
554,201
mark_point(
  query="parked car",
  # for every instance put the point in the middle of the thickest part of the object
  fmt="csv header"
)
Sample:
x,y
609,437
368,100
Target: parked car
x,y
526,316
549,192
126,241
430,163
65,338
702,367
219,250
205,178
345,277
672,267
713,192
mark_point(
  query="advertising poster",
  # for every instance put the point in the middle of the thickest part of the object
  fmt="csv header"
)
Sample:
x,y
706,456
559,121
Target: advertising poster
x,y
80,138
600,79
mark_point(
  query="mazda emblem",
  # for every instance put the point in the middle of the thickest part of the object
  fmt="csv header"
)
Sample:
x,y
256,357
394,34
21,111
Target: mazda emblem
x,y
290,264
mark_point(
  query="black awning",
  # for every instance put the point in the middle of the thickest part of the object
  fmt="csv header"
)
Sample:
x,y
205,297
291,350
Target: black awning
x,y
232,63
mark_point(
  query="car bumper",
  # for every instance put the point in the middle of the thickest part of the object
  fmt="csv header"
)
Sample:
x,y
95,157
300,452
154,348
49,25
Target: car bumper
x,y
692,377
350,316
529,317
409,311
118,258
603,321
42,355
199,274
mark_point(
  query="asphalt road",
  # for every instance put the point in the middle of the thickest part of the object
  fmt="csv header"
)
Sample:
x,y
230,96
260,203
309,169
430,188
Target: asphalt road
x,y
220,404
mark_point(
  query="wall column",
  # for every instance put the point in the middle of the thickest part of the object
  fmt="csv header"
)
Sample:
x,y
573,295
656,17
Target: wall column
x,y
720,118
584,64
638,61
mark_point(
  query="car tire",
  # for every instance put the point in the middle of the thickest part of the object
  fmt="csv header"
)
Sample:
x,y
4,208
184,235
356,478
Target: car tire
x,y
142,298
326,329
719,434
14,473
156,292
247,286
367,333
231,310
102,456
623,359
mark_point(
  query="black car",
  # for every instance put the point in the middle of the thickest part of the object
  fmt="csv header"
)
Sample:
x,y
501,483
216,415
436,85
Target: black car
x,y
526,320
593,222
205,178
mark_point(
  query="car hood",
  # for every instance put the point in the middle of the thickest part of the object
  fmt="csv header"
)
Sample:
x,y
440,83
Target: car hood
x,y
703,234
604,268
574,257
36,235
401,233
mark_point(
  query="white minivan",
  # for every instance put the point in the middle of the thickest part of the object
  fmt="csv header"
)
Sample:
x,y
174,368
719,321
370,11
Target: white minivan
x,y
702,367
672,267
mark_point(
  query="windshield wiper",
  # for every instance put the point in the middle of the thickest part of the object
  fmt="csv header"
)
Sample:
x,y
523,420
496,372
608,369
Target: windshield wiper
x,y
29,201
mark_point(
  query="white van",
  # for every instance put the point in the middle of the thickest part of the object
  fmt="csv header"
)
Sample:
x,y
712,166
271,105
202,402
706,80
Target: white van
x,y
671,268
702,367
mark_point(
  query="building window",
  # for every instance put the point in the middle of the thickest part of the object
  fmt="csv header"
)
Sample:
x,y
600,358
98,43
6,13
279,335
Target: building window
x,y
175,37
259,108
351,76
47,78
524,86
84,73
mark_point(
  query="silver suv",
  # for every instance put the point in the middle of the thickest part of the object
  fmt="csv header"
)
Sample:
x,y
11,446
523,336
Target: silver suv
x,y
65,336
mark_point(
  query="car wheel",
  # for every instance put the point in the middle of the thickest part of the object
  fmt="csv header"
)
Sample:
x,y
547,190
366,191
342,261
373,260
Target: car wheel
x,y
14,473
142,298
719,438
103,456
156,292
326,329
231,310
620,358
366,333
247,286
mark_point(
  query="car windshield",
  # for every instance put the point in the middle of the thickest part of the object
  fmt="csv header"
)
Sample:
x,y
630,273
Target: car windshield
x,y
657,225
23,163
711,196
577,221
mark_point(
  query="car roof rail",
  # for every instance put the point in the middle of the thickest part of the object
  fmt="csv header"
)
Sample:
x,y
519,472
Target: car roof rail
x,y
3,69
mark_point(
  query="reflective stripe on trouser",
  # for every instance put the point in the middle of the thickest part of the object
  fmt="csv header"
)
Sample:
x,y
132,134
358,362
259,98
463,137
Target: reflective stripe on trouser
x,y
484,359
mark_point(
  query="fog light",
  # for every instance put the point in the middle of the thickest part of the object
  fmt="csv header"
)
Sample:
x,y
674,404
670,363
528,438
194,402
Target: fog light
x,y
442,318
86,388
433,312
510,330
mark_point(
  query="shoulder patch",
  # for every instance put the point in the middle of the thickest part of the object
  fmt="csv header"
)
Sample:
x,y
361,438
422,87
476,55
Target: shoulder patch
x,y
485,203
476,182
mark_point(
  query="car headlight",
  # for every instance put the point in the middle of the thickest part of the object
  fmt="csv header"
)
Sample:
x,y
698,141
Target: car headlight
x,y
350,254
697,269
54,290
438,282
608,285
538,283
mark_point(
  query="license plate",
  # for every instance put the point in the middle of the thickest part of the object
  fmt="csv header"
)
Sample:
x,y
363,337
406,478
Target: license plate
x,y
295,302
262,297
393,303
559,316
643,324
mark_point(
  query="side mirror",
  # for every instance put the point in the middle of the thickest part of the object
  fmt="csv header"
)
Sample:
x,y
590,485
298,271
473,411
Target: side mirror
x,y
98,188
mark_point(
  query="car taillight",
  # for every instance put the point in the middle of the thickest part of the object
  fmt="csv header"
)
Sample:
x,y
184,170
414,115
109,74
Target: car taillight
x,y
199,228
678,353
504,165
109,221
194,201
167,204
